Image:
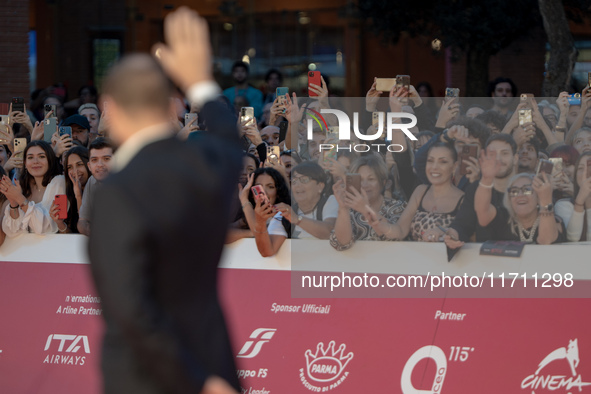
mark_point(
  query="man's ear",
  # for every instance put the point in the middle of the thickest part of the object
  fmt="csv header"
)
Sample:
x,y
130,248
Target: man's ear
x,y
516,161
172,109
108,105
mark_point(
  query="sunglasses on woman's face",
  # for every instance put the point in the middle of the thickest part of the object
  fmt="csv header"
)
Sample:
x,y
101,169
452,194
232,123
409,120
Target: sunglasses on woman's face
x,y
526,190
301,179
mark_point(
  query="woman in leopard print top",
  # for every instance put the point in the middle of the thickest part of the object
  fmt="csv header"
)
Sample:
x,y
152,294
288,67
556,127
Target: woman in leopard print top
x,y
431,205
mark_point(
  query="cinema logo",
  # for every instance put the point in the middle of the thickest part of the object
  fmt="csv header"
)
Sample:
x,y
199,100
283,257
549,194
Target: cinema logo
x,y
540,382
344,130
326,367
436,354
73,354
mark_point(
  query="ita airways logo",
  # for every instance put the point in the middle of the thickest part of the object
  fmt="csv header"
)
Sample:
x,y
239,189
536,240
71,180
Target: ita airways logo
x,y
258,338
438,356
326,368
66,349
75,342
543,381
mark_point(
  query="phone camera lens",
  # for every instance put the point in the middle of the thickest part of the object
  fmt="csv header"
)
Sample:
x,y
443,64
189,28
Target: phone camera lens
x,y
311,74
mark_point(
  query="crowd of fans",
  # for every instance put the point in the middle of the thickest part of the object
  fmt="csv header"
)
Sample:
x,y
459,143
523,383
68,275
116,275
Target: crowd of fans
x,y
505,167
38,163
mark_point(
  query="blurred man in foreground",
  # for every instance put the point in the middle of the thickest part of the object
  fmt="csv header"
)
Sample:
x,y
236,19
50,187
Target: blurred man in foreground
x,y
159,224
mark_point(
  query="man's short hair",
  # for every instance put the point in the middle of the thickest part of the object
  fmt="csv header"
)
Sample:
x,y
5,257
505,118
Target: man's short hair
x,y
493,84
476,128
100,143
242,64
271,72
507,138
91,89
137,82
494,118
535,143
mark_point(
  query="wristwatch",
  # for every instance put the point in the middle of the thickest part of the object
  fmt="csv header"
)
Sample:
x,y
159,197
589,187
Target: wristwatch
x,y
24,204
446,137
300,217
547,208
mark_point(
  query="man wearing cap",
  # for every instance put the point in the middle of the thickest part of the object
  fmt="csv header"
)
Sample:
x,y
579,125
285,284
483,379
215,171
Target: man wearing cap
x,y
80,129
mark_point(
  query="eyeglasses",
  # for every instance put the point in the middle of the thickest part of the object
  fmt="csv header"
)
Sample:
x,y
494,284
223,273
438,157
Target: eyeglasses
x,y
526,190
301,179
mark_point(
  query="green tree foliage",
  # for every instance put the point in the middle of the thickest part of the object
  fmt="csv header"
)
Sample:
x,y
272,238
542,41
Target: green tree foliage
x,y
479,29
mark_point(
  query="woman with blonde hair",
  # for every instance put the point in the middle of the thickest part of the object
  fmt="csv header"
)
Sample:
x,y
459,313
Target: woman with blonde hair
x,y
529,215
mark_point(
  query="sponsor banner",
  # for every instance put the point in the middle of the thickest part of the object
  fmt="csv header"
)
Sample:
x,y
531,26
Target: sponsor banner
x,y
50,336
409,346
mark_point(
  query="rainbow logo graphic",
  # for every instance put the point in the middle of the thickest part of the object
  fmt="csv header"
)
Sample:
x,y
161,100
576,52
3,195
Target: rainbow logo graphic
x,y
318,118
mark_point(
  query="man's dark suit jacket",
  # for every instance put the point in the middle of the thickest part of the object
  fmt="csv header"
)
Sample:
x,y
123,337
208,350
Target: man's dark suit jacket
x,y
158,229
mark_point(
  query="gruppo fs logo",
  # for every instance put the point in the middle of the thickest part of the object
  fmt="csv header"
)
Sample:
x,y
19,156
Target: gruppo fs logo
x,y
344,129
555,382
259,337
326,366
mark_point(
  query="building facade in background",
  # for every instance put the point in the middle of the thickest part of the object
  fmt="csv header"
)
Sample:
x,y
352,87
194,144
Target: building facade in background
x,y
72,43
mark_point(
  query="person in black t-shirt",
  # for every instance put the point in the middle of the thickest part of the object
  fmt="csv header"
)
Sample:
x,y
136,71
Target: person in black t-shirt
x,y
497,162
529,214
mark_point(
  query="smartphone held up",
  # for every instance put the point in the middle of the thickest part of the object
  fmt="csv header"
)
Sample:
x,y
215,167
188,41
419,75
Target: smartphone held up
x,y
62,203
544,166
353,181
259,193
313,78
468,151
273,154
19,147
247,116
280,93
18,104
190,117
